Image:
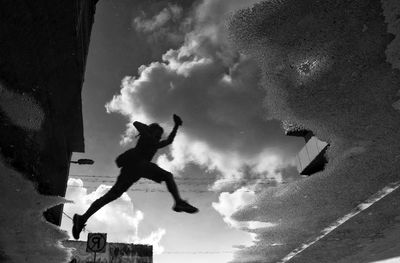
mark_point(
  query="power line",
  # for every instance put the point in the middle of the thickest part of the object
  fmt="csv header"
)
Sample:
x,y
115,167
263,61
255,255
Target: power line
x,y
146,183
155,190
91,175
147,190
176,178
67,215
178,183
200,252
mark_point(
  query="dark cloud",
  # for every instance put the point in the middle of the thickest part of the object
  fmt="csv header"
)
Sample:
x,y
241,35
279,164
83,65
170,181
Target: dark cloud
x,y
171,13
165,29
324,67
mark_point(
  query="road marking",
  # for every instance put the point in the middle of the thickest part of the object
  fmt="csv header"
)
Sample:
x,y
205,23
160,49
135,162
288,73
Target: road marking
x,y
361,207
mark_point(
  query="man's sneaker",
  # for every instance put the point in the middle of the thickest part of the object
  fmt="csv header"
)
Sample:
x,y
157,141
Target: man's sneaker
x,y
78,226
183,206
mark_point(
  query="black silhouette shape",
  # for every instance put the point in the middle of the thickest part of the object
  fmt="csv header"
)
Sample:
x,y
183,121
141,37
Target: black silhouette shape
x,y
136,163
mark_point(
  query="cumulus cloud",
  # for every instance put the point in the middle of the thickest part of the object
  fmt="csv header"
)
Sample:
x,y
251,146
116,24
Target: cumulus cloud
x,y
215,90
170,13
229,203
233,169
154,239
221,111
119,218
164,30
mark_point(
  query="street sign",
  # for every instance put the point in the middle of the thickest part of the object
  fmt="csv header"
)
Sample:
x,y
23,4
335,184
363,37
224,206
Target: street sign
x,y
96,242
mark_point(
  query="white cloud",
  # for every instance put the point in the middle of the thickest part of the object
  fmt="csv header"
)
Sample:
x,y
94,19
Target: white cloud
x,y
172,12
119,219
230,203
257,224
215,90
263,167
154,239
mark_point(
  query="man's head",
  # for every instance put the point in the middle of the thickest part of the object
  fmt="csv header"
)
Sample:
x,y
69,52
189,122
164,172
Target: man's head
x,y
156,130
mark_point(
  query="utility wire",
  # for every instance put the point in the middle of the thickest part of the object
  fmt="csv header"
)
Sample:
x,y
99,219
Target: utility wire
x,y
67,215
178,183
95,178
200,252
147,183
147,190
201,182
194,191
176,178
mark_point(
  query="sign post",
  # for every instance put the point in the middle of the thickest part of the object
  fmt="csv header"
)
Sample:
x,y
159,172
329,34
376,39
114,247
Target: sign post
x,y
96,243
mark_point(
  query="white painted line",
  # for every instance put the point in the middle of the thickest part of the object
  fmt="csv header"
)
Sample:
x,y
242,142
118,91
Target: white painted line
x,y
361,207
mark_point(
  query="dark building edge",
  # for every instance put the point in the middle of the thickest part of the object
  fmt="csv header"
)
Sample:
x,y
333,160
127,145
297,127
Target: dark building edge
x,y
43,52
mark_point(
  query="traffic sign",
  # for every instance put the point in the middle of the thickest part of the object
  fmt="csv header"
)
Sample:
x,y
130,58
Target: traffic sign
x,y
96,242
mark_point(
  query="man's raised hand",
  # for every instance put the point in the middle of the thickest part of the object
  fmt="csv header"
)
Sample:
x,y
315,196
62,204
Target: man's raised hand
x,y
177,120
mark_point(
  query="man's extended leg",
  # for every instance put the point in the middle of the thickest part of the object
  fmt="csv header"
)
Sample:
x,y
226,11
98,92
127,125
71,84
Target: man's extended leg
x,y
100,202
80,220
115,192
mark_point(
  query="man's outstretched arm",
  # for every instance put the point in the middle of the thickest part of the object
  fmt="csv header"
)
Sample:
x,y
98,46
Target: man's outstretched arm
x,y
171,136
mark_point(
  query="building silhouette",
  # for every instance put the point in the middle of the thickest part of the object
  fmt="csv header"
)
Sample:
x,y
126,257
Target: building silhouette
x,y
114,253
311,158
43,51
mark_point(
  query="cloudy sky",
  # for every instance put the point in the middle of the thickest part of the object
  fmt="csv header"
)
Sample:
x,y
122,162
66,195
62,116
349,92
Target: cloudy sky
x,y
148,60
330,70
151,59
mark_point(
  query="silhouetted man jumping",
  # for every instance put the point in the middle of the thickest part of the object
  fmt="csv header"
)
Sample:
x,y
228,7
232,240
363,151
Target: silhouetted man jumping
x,y
136,163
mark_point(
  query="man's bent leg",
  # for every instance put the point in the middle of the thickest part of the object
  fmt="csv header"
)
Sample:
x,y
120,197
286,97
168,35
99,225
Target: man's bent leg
x,y
153,172
172,187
